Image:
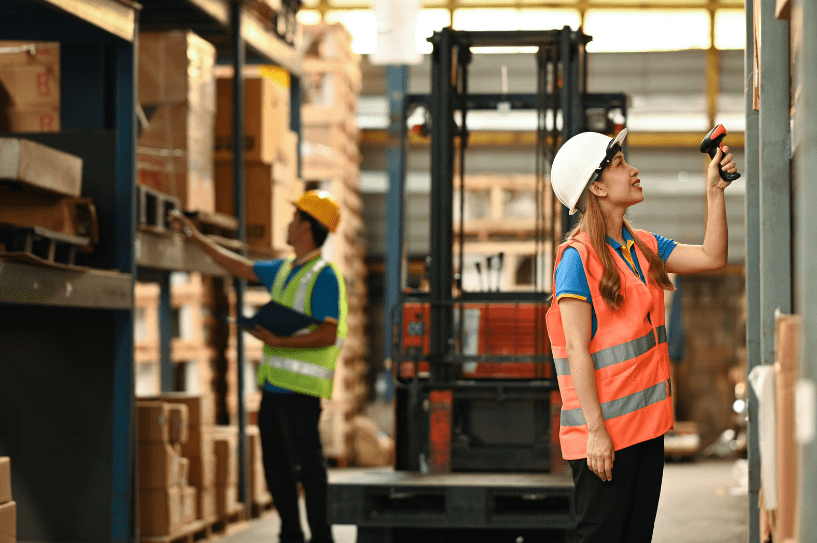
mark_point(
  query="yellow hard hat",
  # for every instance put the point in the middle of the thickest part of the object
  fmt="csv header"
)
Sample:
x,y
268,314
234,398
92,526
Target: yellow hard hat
x,y
322,206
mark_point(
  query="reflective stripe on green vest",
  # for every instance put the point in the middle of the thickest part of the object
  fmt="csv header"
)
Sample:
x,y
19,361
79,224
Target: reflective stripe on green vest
x,y
308,371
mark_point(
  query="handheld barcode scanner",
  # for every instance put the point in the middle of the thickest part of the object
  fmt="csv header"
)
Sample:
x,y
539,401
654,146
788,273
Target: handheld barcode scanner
x,y
713,141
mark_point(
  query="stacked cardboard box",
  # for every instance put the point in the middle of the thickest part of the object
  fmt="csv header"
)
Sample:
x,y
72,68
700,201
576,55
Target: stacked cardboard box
x,y
225,445
177,97
167,503
29,87
331,161
270,155
8,508
198,449
258,482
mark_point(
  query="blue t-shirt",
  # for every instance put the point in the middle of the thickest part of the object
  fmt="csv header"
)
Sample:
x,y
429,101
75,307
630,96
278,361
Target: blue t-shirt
x,y
325,295
571,279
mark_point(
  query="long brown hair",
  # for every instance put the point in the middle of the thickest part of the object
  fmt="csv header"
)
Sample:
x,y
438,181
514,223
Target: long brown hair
x,y
593,224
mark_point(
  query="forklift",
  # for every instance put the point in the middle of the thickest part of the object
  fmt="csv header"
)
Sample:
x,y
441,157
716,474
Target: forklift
x,y
476,399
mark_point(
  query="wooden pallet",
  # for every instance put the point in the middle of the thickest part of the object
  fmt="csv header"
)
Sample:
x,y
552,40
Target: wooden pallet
x,y
234,516
153,207
262,506
196,531
39,245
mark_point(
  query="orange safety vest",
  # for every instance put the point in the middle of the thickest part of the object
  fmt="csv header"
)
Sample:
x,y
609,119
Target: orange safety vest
x,y
629,352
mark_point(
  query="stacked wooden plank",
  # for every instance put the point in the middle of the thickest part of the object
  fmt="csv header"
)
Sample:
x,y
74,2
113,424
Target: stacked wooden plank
x,y
189,301
29,86
8,508
331,161
499,216
177,115
270,155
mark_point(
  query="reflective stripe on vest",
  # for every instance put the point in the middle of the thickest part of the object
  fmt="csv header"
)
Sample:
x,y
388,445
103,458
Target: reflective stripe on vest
x,y
299,366
621,406
618,353
306,282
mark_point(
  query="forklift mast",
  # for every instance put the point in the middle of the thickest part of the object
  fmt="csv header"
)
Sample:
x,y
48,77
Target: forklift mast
x,y
475,385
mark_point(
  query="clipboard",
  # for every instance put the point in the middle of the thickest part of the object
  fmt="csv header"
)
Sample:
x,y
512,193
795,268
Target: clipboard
x,y
275,317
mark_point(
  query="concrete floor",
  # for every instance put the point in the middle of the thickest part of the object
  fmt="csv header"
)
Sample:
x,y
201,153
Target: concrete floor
x,y
704,502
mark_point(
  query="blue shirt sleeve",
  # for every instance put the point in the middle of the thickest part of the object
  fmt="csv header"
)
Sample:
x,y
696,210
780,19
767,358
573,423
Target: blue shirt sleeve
x,y
665,246
570,276
326,295
265,271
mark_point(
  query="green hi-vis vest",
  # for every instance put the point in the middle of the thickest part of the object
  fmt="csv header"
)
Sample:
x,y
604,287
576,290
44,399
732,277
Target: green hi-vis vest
x,y
308,371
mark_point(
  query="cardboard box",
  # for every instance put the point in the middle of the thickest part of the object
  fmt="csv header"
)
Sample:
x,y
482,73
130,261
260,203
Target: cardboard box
x,y
5,479
257,199
258,481
266,118
20,53
200,408
179,423
199,442
226,498
40,166
226,459
285,169
8,522
207,503
43,119
160,511
202,471
175,155
176,68
152,421
159,465
189,504
29,87
184,471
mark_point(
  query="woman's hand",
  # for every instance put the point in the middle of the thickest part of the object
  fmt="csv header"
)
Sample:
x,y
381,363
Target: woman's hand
x,y
600,454
713,176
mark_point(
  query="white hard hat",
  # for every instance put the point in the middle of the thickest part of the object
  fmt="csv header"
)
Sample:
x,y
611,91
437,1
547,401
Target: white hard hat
x,y
577,162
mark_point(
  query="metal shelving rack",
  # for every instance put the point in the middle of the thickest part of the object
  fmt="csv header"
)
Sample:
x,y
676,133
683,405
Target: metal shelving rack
x,y
66,336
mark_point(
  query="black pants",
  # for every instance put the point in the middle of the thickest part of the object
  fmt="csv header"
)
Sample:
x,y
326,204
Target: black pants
x,y
292,452
621,510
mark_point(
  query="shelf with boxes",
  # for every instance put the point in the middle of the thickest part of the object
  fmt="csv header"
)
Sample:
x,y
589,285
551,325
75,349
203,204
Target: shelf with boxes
x,y
49,225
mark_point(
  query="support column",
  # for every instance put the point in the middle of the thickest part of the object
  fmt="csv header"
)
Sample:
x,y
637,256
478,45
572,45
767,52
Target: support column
x,y
751,174
396,89
240,285
805,163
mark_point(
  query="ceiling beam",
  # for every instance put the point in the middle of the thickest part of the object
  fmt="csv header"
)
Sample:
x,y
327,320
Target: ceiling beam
x,y
582,5
499,138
